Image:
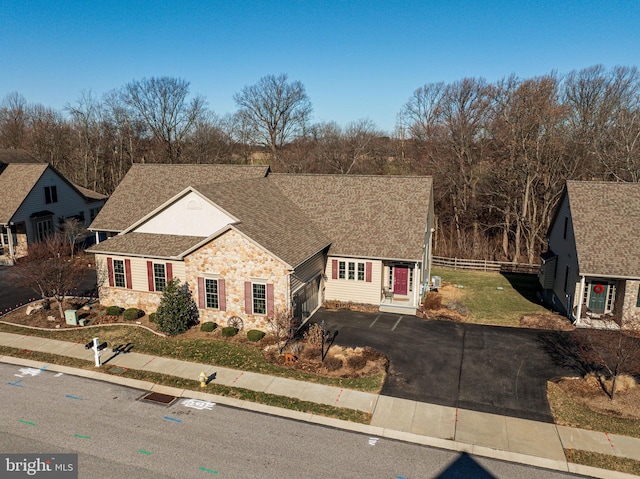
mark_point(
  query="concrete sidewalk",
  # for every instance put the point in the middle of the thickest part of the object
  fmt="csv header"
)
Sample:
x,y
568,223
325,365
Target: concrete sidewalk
x,y
501,437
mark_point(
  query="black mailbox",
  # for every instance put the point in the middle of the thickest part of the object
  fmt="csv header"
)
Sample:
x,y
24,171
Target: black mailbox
x,y
89,345
102,346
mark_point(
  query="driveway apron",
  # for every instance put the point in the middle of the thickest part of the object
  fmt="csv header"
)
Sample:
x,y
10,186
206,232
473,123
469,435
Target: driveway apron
x,y
482,368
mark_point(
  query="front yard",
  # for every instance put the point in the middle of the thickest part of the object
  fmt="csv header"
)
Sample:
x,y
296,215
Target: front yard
x,y
491,298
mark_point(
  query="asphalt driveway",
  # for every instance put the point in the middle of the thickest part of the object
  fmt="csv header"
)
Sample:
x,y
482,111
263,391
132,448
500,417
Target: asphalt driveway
x,y
483,368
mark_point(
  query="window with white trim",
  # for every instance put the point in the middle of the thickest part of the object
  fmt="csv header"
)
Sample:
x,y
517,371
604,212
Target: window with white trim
x,y
119,277
390,278
352,270
341,270
410,279
360,271
212,299
159,276
259,298
44,228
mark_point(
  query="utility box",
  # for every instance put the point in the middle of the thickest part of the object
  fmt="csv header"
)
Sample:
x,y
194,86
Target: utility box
x,y
436,282
71,316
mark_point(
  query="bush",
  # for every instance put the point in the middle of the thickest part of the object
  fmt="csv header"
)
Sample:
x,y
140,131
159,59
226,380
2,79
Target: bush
x,y
458,307
114,311
432,300
229,331
131,314
310,352
332,363
208,326
177,311
255,335
152,318
356,362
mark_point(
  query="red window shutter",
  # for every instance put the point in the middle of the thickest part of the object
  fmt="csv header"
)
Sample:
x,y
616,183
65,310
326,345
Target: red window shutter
x,y
270,300
222,302
110,271
127,271
368,267
150,275
334,269
248,301
169,272
201,292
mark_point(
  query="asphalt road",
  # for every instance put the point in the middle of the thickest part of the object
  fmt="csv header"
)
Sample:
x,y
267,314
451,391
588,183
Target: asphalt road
x,y
118,436
483,368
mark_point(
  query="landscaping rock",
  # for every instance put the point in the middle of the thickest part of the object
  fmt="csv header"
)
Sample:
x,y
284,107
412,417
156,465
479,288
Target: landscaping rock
x,y
51,318
34,307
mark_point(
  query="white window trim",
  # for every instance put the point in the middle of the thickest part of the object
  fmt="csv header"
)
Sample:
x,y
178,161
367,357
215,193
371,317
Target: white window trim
x,y
206,293
253,297
115,273
157,278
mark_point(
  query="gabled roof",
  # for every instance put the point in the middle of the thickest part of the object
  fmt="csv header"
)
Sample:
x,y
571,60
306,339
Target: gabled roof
x,y
365,216
89,194
16,181
147,245
11,155
269,218
146,186
606,226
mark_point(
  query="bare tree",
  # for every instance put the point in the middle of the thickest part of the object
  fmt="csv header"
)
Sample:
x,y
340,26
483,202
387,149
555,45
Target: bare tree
x,y
14,118
610,352
273,111
164,106
72,229
282,326
48,270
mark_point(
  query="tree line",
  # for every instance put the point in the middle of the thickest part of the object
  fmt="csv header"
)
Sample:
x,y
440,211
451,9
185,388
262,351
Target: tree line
x,y
499,152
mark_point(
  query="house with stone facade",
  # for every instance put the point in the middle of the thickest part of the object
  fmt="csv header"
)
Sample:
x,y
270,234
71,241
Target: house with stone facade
x,y
591,269
249,242
35,201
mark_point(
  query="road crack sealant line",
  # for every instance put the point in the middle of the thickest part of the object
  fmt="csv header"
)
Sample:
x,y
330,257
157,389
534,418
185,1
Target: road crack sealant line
x,y
464,336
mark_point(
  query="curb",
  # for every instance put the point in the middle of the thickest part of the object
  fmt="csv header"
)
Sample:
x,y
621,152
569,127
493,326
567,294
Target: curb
x,y
446,444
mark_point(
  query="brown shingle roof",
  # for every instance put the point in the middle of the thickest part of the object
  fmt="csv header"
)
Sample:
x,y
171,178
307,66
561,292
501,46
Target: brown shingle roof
x,y
89,194
147,186
269,218
147,245
365,216
16,181
606,225
11,155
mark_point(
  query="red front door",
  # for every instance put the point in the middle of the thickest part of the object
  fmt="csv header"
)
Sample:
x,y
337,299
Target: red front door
x,y
400,280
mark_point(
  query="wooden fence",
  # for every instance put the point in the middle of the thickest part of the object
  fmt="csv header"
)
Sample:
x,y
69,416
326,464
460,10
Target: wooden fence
x,y
484,265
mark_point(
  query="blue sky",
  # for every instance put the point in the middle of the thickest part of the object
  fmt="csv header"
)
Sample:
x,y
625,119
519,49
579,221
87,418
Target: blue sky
x,y
357,59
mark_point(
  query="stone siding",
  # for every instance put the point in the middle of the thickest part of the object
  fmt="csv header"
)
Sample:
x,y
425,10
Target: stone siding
x,y
236,259
129,298
630,312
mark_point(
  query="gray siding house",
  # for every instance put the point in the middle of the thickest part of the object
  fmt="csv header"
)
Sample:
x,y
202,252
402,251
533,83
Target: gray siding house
x,y
591,268
249,242
35,199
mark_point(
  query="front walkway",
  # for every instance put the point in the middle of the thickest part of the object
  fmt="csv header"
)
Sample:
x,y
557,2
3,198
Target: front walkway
x,y
510,439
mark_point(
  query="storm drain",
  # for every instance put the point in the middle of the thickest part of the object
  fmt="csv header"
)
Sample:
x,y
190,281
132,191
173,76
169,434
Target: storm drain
x,y
158,398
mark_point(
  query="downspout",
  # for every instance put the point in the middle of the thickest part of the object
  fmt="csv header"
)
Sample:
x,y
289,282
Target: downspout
x,y
10,237
97,237
579,310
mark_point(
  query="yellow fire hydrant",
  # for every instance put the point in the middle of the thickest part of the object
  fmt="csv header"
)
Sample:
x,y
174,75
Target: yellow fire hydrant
x,y
203,379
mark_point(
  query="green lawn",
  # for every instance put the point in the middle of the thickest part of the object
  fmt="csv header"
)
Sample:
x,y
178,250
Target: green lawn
x,y
217,352
479,292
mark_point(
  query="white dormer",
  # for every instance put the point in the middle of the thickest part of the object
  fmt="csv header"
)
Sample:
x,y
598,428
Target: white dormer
x,y
189,215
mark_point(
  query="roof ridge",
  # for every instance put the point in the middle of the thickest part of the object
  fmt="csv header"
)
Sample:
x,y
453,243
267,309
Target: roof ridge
x,y
337,175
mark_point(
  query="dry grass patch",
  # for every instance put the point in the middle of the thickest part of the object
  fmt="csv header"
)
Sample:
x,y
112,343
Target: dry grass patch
x,y
551,321
581,402
603,461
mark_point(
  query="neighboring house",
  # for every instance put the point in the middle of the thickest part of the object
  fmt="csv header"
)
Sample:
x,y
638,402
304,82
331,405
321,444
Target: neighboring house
x,y
591,268
248,242
35,200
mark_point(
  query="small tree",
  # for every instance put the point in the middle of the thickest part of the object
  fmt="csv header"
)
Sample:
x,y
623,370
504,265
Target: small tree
x,y
610,352
177,311
48,270
72,229
282,326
